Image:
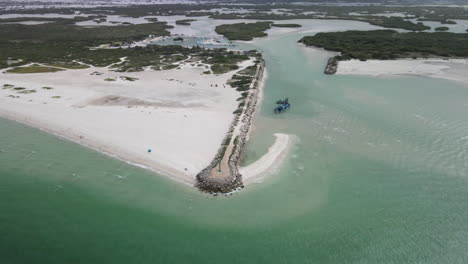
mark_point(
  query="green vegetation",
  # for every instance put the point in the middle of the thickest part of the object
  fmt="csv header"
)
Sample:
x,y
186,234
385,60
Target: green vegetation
x,y
243,31
58,20
59,32
69,65
35,68
8,86
174,58
26,91
126,78
243,79
203,9
47,88
262,11
151,19
62,45
169,67
229,58
287,25
440,20
165,57
241,83
441,28
100,20
448,22
223,68
185,22
366,13
388,22
59,46
394,22
389,44
56,97
225,63
251,70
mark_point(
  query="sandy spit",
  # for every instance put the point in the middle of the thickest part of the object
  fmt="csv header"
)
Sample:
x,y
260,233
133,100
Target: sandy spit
x,y
270,162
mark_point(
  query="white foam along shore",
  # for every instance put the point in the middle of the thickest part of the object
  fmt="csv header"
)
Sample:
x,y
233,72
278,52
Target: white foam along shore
x,y
269,162
182,115
451,69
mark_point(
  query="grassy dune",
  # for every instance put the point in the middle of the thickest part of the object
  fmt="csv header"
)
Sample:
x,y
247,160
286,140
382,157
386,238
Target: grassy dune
x,y
34,69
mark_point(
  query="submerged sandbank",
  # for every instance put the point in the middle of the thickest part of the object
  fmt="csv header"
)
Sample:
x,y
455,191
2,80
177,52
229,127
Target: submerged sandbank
x,y
451,69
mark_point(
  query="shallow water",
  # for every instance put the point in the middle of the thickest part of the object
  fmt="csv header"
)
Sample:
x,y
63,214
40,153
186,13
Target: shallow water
x,y
380,175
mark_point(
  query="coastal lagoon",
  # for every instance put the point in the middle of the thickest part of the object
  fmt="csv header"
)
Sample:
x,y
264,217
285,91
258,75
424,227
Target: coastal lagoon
x,y
378,174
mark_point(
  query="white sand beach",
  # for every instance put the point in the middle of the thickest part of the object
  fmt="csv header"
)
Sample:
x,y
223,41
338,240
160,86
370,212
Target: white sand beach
x,y
182,115
452,69
269,162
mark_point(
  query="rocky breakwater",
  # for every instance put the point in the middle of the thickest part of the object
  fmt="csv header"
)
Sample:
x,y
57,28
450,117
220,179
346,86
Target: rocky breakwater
x,y
222,174
332,63
332,66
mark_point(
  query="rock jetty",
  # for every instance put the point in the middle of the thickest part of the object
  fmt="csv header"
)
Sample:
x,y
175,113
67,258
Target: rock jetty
x,y
332,66
222,174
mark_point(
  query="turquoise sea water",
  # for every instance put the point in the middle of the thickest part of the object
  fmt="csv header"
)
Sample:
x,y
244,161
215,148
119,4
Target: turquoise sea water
x,y
379,175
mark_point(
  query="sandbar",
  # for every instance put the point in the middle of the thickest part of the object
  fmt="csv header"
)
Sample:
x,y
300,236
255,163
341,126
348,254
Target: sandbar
x,y
451,69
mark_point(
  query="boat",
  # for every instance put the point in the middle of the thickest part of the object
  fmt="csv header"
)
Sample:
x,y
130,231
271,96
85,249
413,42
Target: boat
x,y
283,106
